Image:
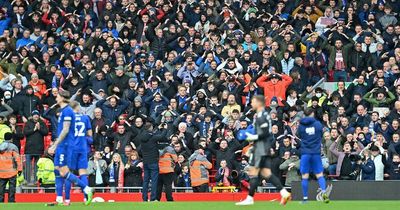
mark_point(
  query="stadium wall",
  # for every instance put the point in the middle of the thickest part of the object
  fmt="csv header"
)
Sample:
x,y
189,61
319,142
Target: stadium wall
x,y
353,190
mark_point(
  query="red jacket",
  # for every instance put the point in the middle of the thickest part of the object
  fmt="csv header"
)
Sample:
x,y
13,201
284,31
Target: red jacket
x,y
271,90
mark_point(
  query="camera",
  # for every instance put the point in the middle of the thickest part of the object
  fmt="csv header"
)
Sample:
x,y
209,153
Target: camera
x,y
355,158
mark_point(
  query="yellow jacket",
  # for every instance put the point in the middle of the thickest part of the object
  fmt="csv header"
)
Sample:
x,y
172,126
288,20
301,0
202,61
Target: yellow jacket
x,y
46,171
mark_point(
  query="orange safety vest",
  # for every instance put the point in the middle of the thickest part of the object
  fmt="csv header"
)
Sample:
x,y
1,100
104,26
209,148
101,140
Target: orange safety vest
x,y
10,161
198,170
167,160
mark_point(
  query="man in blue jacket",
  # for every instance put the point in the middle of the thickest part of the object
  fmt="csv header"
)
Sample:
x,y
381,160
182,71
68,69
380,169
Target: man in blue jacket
x,y
310,132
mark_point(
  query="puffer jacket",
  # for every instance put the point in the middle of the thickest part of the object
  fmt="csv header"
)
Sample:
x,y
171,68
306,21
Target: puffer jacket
x,y
198,169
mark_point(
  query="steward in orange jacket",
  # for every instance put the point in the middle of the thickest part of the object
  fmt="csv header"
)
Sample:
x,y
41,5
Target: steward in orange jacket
x,y
10,166
199,166
167,161
274,85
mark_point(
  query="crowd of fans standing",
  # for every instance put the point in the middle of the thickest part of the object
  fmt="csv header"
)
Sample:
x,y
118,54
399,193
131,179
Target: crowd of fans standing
x,y
179,74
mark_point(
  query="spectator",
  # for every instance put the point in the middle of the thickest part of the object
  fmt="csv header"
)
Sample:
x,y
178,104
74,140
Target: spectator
x,y
39,87
223,177
379,157
367,166
388,18
16,131
291,166
344,166
382,98
338,56
112,107
133,171
231,106
101,138
116,172
11,165
97,170
184,177
121,138
277,83
35,130
225,151
394,169
198,171
88,102
200,63
29,104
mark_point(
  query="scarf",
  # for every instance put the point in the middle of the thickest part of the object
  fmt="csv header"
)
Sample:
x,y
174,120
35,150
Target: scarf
x,y
120,175
99,178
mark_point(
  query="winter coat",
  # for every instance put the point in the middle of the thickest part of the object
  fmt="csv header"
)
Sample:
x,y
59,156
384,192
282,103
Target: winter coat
x,y
35,138
112,113
133,175
199,166
278,90
292,175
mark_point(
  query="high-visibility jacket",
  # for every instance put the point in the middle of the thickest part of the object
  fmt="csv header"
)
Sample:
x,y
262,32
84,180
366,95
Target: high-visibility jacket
x,y
45,171
199,166
3,130
10,161
167,161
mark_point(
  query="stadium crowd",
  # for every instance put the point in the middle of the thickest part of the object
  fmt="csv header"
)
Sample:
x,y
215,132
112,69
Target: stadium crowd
x,y
179,74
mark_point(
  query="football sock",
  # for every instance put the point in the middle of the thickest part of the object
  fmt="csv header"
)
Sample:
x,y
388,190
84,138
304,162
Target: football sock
x,y
322,183
304,186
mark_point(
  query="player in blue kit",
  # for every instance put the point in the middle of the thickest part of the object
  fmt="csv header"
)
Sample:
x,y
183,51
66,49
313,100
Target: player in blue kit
x,y
310,132
79,157
62,148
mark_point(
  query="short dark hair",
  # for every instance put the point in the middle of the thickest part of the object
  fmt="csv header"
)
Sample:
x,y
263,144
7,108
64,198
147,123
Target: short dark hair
x,y
259,98
148,126
308,112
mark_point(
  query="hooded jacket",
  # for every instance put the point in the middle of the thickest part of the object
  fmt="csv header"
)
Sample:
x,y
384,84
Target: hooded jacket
x,y
29,103
278,90
167,161
310,132
10,161
198,169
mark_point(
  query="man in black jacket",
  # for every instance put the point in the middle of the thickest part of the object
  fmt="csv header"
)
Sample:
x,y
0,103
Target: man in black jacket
x,y
29,103
34,130
150,154
122,138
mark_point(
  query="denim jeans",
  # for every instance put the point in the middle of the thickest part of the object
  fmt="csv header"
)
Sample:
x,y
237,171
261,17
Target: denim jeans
x,y
332,169
31,168
151,171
